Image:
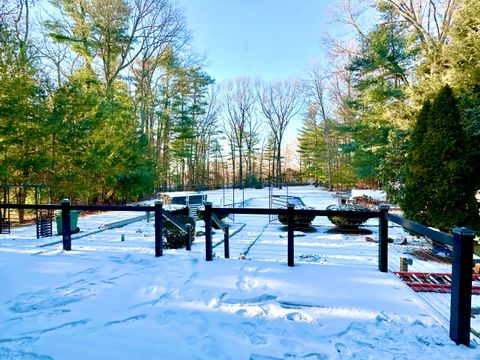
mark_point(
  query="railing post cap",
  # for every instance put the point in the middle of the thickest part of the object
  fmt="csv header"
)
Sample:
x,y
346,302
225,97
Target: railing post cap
x,y
384,207
226,225
208,203
290,205
158,202
65,201
464,231
188,225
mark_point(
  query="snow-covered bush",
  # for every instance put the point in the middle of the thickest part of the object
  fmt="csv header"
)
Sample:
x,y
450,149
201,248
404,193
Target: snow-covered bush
x,y
343,222
367,202
173,237
177,210
300,221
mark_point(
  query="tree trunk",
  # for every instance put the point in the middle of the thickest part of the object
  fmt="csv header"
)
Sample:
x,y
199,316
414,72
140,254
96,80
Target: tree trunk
x,y
240,168
279,167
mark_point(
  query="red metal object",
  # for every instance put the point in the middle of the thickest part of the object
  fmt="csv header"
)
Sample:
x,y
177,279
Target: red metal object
x,y
434,282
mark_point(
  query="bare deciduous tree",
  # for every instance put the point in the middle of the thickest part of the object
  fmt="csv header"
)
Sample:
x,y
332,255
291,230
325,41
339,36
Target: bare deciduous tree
x,y
239,100
279,102
117,32
17,14
431,19
207,132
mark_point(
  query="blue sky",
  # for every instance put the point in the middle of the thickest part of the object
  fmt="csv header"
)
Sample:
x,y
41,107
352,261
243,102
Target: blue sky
x,y
273,39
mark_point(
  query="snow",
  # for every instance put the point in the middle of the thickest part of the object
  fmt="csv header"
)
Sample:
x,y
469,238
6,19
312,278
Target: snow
x,y
374,194
173,194
108,299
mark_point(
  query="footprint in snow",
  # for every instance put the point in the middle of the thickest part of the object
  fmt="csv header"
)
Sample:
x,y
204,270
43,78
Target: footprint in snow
x,y
21,342
126,321
264,357
355,329
249,301
190,279
249,325
87,271
341,349
127,259
314,356
386,317
212,347
165,318
255,269
258,340
246,284
69,325
201,322
419,323
107,282
242,313
44,300
297,316
19,354
44,314
67,286
118,277
219,299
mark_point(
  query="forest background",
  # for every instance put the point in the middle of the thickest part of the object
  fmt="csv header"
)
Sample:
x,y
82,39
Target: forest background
x,y
107,101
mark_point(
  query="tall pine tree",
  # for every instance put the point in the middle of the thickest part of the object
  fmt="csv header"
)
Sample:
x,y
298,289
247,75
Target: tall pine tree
x,y
440,187
416,195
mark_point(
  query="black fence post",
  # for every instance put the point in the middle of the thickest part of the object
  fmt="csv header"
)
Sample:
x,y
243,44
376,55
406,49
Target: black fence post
x,y
226,241
208,231
189,234
66,231
158,228
383,239
290,226
461,296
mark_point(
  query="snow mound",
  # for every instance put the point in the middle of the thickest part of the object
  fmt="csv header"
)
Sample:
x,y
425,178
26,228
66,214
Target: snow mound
x,y
374,194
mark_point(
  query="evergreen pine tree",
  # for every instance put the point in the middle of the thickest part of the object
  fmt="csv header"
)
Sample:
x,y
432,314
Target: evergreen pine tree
x,y
23,108
415,201
440,188
452,199
312,148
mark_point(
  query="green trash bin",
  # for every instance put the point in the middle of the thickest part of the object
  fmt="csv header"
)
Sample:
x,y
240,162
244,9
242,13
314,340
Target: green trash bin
x,y
73,222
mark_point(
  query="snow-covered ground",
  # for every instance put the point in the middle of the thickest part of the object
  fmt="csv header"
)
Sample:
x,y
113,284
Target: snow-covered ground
x,y
108,299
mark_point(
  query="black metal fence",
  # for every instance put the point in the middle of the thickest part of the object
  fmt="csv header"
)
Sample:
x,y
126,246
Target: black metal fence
x,y
461,243
66,207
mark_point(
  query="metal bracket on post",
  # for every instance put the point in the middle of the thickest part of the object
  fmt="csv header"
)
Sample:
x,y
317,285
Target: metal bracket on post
x,y
208,231
383,239
290,234
461,296
189,234
226,241
66,231
187,203
158,228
